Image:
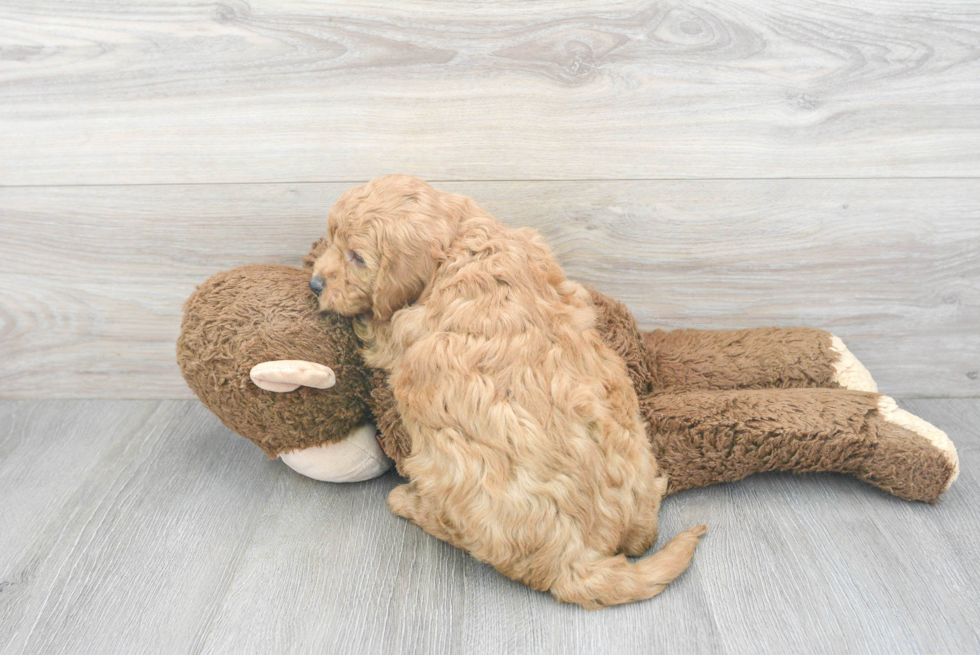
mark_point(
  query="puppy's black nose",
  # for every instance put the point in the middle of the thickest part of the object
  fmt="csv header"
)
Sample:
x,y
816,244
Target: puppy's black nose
x,y
317,284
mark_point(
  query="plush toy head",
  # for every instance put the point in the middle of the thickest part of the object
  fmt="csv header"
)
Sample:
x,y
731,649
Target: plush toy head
x,y
253,314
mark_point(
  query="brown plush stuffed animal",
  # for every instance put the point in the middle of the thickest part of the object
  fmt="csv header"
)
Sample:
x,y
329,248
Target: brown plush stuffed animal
x,y
720,405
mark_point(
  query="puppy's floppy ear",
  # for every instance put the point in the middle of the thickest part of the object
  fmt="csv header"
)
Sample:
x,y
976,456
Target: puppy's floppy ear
x,y
413,246
403,274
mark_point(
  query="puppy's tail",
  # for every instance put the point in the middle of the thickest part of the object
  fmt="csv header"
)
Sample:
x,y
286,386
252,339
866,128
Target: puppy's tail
x,y
615,580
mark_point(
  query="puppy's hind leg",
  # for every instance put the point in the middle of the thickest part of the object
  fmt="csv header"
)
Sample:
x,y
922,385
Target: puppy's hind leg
x,y
595,581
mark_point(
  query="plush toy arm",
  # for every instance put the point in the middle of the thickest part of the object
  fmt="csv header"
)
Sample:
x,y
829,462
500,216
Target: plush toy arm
x,y
705,437
687,360
391,433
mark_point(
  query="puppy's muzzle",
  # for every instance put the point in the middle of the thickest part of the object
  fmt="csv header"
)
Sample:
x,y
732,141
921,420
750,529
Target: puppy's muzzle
x,y
317,284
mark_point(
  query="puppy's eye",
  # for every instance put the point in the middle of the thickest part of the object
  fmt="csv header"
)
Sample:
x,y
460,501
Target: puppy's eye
x,y
354,258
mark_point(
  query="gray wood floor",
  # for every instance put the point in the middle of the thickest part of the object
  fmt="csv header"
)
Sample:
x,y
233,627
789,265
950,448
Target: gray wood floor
x,y
146,526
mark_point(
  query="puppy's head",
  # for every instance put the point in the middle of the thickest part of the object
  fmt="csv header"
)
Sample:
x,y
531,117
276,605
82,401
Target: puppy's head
x,y
386,240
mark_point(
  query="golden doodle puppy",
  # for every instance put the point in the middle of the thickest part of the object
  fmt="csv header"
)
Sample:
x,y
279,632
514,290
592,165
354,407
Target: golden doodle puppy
x,y
528,450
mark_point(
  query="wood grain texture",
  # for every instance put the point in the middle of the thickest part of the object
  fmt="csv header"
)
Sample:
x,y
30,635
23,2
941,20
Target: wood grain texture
x,y
193,128
92,278
122,524
338,572
147,527
290,90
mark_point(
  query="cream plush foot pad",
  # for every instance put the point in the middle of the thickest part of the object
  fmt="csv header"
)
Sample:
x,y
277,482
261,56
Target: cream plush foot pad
x,y
895,414
358,457
849,372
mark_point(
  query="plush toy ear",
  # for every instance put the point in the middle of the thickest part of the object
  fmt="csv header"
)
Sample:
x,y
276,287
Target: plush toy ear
x,y
286,375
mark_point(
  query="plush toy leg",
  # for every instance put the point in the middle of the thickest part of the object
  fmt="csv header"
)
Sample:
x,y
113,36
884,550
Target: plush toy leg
x,y
358,457
687,360
704,437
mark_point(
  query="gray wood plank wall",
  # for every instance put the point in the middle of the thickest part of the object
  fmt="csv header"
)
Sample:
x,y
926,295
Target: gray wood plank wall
x,y
713,164
285,90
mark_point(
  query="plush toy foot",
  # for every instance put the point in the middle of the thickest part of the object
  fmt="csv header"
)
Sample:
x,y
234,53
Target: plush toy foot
x,y
914,459
848,371
358,457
